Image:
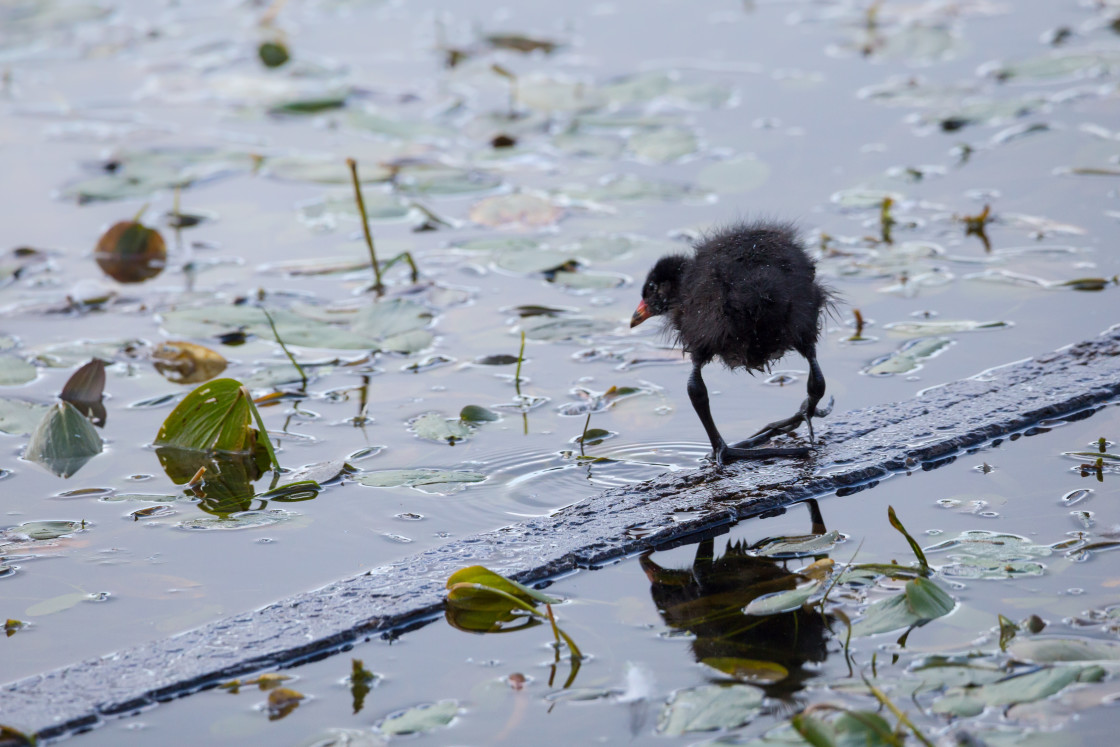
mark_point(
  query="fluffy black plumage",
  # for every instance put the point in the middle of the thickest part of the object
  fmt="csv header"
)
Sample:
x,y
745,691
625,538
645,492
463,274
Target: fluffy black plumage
x,y
747,296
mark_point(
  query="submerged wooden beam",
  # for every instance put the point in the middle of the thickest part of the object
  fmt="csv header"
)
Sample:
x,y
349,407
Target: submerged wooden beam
x,y
858,449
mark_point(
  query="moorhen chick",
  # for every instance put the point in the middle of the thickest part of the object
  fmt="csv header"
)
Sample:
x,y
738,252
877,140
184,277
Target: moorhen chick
x,y
747,296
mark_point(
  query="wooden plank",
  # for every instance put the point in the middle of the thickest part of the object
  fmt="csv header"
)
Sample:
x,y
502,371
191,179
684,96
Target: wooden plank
x,y
858,449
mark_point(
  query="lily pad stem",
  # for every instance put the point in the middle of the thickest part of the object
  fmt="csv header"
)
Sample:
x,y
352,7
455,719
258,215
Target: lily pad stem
x,y
377,285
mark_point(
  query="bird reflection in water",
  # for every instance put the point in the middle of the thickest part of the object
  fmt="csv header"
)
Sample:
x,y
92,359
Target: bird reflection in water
x,y
708,601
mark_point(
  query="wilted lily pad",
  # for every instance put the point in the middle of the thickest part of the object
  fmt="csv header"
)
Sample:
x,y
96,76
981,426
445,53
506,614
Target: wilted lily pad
x,y
130,252
186,362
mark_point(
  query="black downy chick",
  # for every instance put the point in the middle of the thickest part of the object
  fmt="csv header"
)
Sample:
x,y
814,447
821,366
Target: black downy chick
x,y
747,296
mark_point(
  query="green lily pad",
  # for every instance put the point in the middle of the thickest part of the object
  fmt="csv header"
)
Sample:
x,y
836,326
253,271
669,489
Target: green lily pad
x,y
323,169
478,414
387,126
410,478
990,555
15,371
1018,688
389,318
325,213
438,179
1049,650
432,426
420,719
632,188
909,357
238,520
922,601
589,145
710,707
46,530
945,327
63,441
139,173
738,174
663,145
292,328
517,209
18,416
1060,66
567,328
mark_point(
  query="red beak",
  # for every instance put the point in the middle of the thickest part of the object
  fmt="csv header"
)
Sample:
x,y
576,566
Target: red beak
x,y
640,314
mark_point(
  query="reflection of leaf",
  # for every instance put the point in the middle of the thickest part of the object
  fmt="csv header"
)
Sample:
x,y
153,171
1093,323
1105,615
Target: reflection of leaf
x,y
709,707
63,441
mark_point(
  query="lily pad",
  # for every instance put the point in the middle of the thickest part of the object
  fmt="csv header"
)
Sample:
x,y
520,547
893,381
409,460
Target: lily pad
x,y
740,173
663,145
567,328
15,371
708,708
990,555
420,719
434,427
187,363
326,213
909,357
1049,650
18,416
1026,687
390,318
783,601
238,520
45,530
922,601
63,441
632,188
944,327
139,173
516,210
410,478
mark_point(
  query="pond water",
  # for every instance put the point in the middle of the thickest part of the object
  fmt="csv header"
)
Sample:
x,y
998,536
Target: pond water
x,y
621,151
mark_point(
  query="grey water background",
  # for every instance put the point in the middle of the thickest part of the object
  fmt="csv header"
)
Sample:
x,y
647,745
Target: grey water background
x,y
799,129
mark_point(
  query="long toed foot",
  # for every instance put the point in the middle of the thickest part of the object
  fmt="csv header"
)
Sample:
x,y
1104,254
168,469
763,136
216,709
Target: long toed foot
x,y
726,454
788,425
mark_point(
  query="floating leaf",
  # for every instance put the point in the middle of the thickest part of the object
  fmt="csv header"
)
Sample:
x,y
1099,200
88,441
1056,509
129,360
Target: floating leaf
x,y
15,371
217,416
282,701
186,362
738,174
130,252
748,670
18,416
46,530
338,737
59,603
238,520
518,210
710,707
273,54
783,601
663,145
1026,687
390,318
137,174
1051,650
63,441
909,357
791,547
628,187
392,478
991,555
434,427
420,719
922,601
486,360
312,105
478,414
477,574
945,327
568,328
